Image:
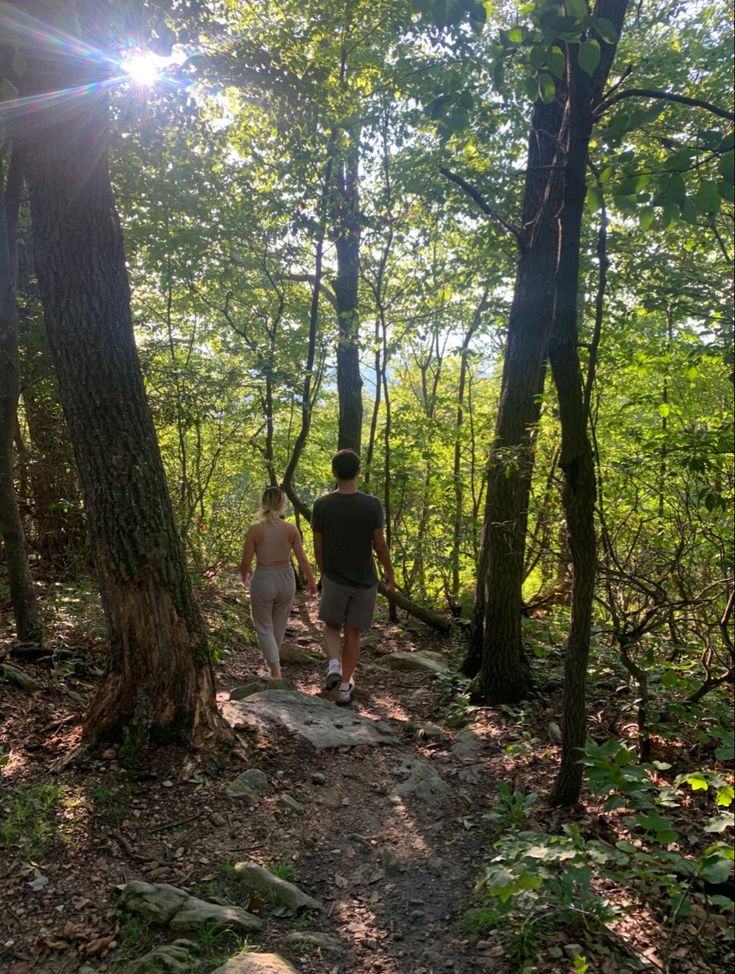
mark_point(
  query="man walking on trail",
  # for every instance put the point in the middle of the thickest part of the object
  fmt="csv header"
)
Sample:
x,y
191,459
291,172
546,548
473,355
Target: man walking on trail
x,y
348,527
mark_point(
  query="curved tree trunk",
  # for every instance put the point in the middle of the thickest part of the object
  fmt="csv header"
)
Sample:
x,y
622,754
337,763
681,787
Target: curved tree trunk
x,y
159,681
22,596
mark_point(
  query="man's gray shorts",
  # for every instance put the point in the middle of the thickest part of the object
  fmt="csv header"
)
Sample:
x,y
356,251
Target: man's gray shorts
x,y
343,605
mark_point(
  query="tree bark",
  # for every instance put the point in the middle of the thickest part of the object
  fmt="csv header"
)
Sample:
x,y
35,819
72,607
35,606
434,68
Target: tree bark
x,y
504,675
347,245
22,596
159,682
458,424
577,462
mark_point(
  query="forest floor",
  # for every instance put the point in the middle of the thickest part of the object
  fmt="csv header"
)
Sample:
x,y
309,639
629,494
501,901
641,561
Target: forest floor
x,y
395,875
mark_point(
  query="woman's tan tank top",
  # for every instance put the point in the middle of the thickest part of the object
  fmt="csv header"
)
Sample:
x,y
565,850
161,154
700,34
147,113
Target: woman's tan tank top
x,y
273,543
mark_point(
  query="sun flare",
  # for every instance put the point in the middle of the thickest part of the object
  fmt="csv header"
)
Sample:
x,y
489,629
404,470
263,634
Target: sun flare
x,y
144,68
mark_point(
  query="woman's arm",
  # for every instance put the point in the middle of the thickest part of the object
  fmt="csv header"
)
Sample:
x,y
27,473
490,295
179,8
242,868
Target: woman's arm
x,y
247,555
298,549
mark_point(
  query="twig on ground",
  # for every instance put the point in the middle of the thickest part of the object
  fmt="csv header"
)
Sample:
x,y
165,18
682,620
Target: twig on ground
x,y
174,824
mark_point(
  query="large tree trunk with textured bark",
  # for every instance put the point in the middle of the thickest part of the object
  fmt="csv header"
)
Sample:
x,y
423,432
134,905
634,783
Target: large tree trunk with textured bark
x,y
22,596
558,131
347,245
504,675
159,681
577,460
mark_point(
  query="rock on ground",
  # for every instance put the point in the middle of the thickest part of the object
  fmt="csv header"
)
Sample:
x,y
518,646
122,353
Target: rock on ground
x,y
176,958
252,963
422,782
169,906
322,723
423,661
260,880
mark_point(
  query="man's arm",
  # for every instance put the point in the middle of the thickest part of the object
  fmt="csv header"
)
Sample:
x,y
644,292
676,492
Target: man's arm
x,y
318,552
383,555
298,549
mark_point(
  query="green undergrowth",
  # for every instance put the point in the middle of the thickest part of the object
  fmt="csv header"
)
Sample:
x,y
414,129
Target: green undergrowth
x,y
536,883
35,817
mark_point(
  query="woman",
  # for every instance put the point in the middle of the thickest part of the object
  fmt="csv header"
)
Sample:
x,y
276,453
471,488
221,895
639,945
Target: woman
x,y
272,587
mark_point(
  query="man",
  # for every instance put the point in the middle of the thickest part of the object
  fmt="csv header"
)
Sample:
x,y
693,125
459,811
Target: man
x,y
348,527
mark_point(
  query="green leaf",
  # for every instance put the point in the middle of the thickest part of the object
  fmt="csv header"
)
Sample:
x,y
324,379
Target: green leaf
x,y
726,166
664,410
588,56
577,8
538,56
719,823
716,872
594,199
515,35
546,87
556,61
606,29
645,219
707,199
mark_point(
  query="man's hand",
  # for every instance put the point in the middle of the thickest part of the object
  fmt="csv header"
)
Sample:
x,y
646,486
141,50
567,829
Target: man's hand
x,y
311,588
246,582
390,581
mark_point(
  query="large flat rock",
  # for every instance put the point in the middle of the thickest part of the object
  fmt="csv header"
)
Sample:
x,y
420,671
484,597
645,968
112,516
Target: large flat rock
x,y
322,723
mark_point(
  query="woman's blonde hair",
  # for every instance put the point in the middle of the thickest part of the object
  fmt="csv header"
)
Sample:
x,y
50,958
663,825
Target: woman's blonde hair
x,y
272,503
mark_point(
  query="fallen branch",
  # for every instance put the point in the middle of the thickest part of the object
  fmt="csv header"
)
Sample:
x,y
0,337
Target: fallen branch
x,y
431,618
125,844
176,823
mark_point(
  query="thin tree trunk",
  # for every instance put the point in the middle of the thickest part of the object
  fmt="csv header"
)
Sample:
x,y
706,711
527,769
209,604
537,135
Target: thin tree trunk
x,y
347,245
458,424
577,461
306,391
22,596
159,682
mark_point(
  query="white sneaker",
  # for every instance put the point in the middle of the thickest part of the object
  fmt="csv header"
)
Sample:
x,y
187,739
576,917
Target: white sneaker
x,y
346,693
334,675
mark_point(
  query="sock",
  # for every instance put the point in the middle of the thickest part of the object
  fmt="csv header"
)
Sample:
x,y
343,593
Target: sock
x,y
334,664
346,687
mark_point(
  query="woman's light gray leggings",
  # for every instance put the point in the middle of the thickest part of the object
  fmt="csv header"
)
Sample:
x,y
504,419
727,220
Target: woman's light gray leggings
x,y
271,595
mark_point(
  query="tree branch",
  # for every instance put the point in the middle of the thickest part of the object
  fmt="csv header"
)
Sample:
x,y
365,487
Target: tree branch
x,y
309,279
665,96
482,203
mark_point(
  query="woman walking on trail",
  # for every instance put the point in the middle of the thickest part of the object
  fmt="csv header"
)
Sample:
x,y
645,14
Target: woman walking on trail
x,y
272,587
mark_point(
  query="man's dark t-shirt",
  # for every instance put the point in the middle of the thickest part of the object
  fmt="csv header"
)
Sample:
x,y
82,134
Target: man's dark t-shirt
x,y
346,523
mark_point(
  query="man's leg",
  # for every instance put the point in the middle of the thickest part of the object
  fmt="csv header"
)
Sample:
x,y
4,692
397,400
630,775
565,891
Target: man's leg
x,y
332,642
350,652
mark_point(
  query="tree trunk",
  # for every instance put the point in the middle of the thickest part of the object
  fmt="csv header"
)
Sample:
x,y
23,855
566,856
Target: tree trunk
x,y
459,421
56,524
347,245
504,675
159,682
577,461
22,596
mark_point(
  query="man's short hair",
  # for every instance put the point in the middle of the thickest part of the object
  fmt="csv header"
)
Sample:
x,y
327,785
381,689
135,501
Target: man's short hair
x,y
345,464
